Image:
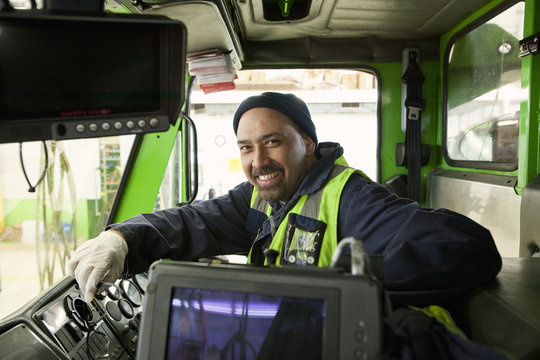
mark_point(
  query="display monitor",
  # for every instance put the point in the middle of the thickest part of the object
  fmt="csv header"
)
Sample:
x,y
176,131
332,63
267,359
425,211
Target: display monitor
x,y
74,76
202,311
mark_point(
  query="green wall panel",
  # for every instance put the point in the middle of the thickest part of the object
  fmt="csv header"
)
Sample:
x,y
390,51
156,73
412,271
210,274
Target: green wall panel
x,y
144,179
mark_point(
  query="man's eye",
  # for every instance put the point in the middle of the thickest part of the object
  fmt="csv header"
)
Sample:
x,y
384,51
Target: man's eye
x,y
272,142
244,148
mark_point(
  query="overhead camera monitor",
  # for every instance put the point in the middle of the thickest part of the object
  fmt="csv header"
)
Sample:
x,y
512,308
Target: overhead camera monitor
x,y
200,311
69,76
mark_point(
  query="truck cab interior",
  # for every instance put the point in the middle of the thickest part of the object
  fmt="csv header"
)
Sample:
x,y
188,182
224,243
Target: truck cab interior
x,y
112,108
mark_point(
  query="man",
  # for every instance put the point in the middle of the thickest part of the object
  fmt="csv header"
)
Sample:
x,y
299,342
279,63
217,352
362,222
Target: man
x,y
300,199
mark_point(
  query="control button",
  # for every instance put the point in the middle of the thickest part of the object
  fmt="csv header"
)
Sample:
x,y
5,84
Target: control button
x,y
93,127
142,281
359,336
61,129
141,123
359,353
101,295
130,124
113,292
105,126
113,311
154,122
80,128
135,322
126,308
117,125
131,292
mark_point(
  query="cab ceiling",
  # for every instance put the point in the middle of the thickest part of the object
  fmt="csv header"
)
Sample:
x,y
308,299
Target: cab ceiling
x,y
335,31
390,19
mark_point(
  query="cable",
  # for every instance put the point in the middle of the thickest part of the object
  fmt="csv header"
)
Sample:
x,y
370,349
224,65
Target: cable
x,y
92,325
33,188
359,259
93,329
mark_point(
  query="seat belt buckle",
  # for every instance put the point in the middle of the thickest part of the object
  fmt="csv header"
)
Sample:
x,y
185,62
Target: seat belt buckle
x,y
415,107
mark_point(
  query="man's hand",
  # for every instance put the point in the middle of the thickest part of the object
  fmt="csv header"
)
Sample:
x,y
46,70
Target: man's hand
x,y
98,259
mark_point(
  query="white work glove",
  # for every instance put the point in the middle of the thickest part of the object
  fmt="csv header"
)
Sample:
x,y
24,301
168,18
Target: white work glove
x,y
98,259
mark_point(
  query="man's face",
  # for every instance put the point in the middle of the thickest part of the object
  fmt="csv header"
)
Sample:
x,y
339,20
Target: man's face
x,y
275,156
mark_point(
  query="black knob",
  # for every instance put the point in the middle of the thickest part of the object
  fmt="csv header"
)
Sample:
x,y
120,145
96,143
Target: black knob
x,y
270,256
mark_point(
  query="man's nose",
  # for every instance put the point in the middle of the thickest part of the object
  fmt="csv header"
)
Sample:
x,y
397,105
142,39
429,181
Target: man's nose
x,y
260,158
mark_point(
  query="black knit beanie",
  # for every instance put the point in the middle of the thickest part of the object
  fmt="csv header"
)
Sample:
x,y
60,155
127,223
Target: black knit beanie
x,y
287,104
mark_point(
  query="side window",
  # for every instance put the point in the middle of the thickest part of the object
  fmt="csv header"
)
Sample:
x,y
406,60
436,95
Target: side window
x,y
343,106
482,88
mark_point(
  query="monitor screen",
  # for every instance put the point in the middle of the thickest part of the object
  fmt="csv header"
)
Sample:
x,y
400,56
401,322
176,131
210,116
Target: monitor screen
x,y
216,324
33,87
68,76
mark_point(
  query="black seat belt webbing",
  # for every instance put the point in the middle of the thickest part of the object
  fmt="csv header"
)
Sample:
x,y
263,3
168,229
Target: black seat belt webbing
x,y
414,104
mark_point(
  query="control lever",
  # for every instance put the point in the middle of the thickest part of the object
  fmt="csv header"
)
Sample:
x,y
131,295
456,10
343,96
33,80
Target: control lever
x,y
270,256
135,322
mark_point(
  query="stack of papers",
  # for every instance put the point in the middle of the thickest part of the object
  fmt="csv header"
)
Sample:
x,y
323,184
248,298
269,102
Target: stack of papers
x,y
213,70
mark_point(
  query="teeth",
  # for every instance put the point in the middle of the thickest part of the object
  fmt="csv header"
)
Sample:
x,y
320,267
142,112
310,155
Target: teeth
x,y
268,176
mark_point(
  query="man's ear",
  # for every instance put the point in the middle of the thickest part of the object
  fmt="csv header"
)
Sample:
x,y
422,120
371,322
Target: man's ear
x,y
310,145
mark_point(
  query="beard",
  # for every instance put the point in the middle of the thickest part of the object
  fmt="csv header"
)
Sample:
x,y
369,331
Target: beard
x,y
274,192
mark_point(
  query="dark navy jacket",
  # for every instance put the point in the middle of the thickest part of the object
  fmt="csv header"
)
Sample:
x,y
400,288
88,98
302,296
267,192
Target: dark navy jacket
x,y
423,250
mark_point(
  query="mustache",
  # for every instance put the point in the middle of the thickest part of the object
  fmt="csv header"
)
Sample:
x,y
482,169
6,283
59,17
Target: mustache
x,y
265,170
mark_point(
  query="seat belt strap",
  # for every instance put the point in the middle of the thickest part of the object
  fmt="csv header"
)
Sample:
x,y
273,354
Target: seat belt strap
x,y
414,105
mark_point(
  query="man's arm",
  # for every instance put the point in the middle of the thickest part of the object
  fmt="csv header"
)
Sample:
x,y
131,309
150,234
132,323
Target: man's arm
x,y
423,250
212,227
209,228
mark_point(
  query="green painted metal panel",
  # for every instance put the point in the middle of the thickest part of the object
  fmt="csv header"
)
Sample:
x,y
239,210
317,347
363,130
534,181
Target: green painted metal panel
x,y
430,125
144,180
390,85
529,149
391,133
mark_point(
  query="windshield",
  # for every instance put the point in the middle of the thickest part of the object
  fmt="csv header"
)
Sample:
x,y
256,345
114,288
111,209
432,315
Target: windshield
x,y
342,103
38,230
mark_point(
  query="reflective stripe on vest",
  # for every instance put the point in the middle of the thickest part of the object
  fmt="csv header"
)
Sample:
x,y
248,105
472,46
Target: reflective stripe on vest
x,y
322,205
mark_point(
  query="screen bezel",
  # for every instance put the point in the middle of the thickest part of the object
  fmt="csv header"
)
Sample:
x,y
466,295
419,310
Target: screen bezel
x,y
353,303
172,36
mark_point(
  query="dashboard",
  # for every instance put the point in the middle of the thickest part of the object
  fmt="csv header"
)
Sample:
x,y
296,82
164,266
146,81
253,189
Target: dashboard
x,y
60,324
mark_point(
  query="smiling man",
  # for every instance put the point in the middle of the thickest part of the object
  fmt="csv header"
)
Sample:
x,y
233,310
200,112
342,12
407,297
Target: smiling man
x,y
300,200
276,154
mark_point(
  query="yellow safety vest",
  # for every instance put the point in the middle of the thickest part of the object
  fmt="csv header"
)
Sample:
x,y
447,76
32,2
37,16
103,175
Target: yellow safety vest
x,y
308,233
